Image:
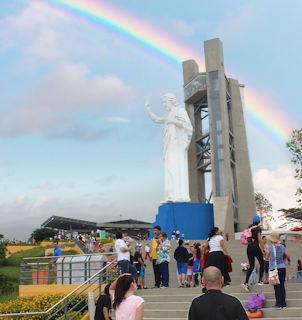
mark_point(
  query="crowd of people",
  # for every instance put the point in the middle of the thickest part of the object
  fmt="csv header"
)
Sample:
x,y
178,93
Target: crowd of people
x,y
208,261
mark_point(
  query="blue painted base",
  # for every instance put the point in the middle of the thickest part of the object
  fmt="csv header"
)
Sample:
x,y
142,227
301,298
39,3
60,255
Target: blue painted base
x,y
195,220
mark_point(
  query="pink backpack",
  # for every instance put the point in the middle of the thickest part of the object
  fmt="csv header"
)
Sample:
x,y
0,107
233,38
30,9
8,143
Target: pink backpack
x,y
246,237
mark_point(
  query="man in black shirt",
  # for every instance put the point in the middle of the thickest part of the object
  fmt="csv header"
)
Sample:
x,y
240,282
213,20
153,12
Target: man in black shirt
x,y
103,306
214,304
140,266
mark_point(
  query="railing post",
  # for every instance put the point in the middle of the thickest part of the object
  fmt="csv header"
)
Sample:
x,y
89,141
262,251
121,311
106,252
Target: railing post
x,y
65,309
22,273
91,305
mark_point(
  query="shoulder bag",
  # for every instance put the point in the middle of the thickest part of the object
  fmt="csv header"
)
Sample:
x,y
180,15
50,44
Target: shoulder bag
x,y
273,276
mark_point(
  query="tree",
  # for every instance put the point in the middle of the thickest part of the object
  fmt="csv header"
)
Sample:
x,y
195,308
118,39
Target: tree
x,y
42,233
3,244
264,208
295,148
289,223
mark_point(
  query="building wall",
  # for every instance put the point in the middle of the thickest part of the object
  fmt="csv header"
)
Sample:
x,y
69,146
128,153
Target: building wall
x,y
246,198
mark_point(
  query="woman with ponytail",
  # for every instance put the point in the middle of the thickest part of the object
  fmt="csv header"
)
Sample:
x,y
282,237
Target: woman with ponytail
x,y
127,305
216,256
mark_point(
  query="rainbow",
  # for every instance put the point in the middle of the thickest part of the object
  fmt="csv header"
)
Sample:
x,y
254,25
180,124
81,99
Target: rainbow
x,y
259,109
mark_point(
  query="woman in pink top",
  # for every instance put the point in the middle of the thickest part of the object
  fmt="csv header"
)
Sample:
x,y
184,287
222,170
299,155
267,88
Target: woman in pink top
x,y
127,305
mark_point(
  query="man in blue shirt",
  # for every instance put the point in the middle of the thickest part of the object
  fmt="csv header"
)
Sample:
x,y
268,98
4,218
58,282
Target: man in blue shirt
x,y
91,244
56,253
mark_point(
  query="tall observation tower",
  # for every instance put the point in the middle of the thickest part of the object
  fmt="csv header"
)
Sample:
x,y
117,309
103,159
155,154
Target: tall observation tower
x,y
219,150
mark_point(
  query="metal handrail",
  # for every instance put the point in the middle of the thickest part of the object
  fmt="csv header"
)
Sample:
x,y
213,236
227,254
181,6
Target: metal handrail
x,y
71,255
59,302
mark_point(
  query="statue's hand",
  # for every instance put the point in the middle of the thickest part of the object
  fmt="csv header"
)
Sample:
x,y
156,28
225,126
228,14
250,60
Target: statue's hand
x,y
146,101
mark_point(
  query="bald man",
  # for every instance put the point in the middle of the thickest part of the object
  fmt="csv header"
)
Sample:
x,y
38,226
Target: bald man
x,y
214,304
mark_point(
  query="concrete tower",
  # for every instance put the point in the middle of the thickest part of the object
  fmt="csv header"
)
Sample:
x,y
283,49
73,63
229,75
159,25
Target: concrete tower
x,y
219,148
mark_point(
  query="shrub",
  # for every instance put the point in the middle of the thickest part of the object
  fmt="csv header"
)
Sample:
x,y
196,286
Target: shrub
x,y
5,286
41,303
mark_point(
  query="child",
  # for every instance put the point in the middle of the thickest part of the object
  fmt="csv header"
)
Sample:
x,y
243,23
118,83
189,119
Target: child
x,y
253,276
197,265
190,266
299,271
244,266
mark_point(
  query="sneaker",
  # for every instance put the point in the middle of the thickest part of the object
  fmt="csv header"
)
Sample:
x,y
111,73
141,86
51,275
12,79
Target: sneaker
x,y
227,285
284,307
155,287
276,307
163,287
261,283
245,286
181,286
145,288
188,285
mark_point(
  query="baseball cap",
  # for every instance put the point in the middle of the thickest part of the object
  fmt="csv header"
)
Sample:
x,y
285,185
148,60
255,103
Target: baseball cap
x,y
256,218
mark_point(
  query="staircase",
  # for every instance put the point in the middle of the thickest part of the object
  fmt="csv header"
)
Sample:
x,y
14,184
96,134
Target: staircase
x,y
173,303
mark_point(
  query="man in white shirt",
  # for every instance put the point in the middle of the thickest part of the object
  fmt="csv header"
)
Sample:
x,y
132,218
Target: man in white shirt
x,y
123,255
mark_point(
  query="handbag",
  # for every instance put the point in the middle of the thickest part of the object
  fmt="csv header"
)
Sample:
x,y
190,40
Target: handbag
x,y
273,276
228,263
256,301
254,313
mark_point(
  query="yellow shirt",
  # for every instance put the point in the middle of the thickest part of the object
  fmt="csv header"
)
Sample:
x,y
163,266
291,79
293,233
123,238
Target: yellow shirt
x,y
265,248
154,251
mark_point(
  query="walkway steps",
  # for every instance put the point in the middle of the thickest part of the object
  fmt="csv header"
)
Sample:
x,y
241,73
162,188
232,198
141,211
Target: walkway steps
x,y
174,302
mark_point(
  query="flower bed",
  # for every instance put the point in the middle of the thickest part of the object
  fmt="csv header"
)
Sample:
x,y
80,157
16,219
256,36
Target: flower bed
x,y
40,303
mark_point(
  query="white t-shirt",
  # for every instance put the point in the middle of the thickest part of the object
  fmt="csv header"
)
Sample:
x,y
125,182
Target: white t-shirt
x,y
215,243
147,248
120,243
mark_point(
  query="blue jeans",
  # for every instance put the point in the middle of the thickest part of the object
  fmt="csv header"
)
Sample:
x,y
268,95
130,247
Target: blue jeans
x,y
280,289
164,271
127,267
299,274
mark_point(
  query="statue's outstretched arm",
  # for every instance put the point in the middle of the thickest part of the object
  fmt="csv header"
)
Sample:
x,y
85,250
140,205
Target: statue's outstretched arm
x,y
151,114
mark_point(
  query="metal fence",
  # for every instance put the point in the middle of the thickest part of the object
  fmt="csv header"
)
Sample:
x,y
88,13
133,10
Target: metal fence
x,y
70,269
69,303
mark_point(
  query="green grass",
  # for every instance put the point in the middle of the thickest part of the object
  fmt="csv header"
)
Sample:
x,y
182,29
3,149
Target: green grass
x,y
10,296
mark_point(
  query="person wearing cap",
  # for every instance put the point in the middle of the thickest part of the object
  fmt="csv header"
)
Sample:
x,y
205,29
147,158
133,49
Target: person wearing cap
x,y
281,255
254,251
140,266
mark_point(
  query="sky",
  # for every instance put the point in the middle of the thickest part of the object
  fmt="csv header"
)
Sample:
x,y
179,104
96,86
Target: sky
x,y
75,139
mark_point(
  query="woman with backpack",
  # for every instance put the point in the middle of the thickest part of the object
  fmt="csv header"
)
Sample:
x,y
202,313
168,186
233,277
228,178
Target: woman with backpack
x,y
254,251
216,256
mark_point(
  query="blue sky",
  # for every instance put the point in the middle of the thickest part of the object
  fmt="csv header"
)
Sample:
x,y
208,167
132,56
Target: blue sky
x,y
75,139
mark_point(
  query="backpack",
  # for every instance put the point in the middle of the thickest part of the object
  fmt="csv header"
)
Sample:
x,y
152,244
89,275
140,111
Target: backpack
x,y
246,237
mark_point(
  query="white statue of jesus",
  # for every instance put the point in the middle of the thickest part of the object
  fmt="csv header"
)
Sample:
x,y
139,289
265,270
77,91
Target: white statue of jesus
x,y
176,140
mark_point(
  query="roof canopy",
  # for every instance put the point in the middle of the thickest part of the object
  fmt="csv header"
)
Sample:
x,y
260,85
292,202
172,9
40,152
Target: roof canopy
x,y
64,223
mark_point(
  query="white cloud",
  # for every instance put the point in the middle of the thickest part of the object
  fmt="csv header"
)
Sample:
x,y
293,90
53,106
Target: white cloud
x,y
278,186
56,97
116,119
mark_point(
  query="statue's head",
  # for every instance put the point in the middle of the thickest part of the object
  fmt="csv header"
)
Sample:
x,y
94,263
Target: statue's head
x,y
169,101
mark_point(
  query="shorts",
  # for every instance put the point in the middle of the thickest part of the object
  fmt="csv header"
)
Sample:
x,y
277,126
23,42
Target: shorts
x,y
190,270
182,267
142,272
266,264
